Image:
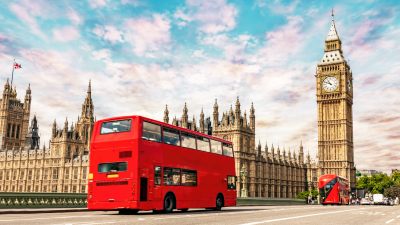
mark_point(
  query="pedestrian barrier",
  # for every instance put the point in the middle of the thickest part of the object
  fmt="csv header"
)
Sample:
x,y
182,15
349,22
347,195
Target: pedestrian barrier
x,y
42,200
270,201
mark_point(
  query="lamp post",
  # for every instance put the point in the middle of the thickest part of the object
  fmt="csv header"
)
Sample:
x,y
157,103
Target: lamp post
x,y
243,174
309,186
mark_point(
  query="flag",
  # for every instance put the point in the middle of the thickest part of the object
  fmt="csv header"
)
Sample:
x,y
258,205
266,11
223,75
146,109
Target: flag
x,y
17,66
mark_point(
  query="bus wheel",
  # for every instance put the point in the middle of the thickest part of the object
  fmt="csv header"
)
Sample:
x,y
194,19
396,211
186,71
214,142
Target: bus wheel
x,y
169,203
219,203
128,211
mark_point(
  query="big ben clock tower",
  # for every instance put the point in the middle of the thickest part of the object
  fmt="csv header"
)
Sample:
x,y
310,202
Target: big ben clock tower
x,y
335,111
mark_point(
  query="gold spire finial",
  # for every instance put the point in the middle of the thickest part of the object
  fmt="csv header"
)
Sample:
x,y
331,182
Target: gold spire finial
x,y
332,11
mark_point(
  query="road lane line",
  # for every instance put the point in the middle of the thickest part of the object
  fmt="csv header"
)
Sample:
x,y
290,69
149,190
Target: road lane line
x,y
50,218
389,221
295,217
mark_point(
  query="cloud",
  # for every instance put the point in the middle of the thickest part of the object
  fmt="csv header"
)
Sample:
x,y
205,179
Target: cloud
x,y
66,34
277,7
135,3
97,3
101,54
109,33
198,54
148,33
74,17
214,15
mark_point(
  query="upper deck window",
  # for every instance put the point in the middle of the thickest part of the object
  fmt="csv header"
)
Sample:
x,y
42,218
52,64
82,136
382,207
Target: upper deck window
x,y
116,126
151,132
171,136
228,151
216,147
188,140
203,144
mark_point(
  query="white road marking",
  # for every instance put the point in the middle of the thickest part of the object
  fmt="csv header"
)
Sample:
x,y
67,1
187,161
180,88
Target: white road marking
x,y
295,217
389,221
49,218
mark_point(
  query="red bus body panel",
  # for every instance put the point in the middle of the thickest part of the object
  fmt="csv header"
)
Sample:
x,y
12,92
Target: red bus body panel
x,y
123,190
334,196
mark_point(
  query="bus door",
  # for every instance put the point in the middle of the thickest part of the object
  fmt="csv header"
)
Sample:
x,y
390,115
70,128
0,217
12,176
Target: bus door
x,y
157,182
144,186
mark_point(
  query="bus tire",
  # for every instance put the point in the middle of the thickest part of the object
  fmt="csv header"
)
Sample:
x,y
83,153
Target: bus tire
x,y
169,203
128,211
219,203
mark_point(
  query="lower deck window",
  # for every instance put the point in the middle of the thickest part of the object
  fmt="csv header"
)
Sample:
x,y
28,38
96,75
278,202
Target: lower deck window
x,y
189,177
172,176
231,182
112,167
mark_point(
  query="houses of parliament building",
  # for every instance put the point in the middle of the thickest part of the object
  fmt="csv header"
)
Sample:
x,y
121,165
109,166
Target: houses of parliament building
x,y
272,172
24,166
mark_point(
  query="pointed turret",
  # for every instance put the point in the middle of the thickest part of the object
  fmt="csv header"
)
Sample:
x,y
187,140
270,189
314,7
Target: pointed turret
x,y
278,153
252,118
301,153
65,131
215,115
266,151
185,117
237,112
272,152
201,122
87,106
193,126
166,112
332,34
245,119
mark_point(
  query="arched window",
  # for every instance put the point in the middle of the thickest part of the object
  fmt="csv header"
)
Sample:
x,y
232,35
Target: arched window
x,y
69,151
17,135
13,130
77,151
8,130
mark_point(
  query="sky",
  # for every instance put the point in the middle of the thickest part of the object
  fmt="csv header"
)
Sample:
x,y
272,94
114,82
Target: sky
x,y
143,54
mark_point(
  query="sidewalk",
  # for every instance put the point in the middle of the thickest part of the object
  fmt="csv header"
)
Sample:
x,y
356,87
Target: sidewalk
x,y
40,210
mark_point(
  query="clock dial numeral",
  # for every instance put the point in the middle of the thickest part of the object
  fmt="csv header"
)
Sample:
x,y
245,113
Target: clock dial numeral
x,y
330,84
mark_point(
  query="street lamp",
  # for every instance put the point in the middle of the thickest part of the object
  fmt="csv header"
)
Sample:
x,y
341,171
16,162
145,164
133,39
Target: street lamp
x,y
243,174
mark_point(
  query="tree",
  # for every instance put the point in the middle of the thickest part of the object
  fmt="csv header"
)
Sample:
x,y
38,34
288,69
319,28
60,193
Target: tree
x,y
391,192
303,195
378,183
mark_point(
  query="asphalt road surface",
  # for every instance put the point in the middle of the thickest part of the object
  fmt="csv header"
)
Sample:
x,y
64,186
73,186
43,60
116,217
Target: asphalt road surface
x,y
243,215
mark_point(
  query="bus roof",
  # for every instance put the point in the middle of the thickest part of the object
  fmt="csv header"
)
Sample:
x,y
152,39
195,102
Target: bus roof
x,y
163,124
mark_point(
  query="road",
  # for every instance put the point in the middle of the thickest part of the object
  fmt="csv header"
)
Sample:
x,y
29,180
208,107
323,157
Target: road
x,y
241,215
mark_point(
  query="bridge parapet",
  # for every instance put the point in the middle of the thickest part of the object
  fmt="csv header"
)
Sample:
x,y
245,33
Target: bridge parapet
x,y
42,200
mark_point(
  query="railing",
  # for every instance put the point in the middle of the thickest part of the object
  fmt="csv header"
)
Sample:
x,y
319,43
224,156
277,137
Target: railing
x,y
42,200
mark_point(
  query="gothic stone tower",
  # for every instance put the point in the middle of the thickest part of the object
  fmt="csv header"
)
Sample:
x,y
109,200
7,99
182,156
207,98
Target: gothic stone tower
x,y
14,117
335,114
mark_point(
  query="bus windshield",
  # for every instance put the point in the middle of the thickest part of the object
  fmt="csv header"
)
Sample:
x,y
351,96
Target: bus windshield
x,y
324,192
115,126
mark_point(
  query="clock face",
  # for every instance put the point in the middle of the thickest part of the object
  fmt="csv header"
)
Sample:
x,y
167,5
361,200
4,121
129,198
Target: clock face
x,y
330,84
349,83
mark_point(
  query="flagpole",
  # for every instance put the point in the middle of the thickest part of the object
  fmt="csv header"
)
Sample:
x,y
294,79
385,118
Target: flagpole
x,y
12,75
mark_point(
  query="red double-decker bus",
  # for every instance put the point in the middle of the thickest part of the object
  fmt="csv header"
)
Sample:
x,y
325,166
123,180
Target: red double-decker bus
x,y
333,189
138,163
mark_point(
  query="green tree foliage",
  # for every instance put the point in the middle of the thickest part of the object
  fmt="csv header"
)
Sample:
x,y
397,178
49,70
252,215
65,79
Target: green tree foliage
x,y
377,184
303,195
391,192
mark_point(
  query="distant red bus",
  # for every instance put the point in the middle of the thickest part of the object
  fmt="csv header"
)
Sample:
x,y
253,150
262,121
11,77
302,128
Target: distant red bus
x,y
138,163
333,189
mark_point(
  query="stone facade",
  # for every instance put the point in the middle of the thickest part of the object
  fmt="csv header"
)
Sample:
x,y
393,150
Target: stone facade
x,y
270,174
334,81
63,167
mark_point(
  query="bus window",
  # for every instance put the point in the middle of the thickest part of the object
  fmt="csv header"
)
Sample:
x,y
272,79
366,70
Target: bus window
x,y
188,140
172,176
189,177
231,182
113,167
171,136
203,144
157,175
116,126
216,147
151,132
228,151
